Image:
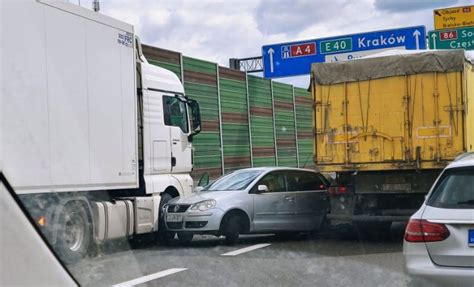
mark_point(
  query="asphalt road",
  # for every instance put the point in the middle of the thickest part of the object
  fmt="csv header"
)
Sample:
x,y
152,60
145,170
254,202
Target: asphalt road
x,y
333,258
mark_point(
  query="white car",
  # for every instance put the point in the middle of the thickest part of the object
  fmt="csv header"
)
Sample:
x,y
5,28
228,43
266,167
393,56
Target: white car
x,y
439,238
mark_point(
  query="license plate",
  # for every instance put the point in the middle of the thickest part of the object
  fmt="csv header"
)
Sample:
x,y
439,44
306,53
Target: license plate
x,y
396,187
174,217
470,237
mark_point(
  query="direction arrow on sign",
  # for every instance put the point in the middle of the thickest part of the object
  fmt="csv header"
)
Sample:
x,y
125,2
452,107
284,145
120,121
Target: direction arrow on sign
x,y
295,58
270,54
460,38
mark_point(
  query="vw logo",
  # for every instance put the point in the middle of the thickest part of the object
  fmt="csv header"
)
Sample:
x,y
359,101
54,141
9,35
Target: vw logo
x,y
176,208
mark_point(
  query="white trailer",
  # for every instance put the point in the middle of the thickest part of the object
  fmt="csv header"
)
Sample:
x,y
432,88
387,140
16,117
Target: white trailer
x,y
93,138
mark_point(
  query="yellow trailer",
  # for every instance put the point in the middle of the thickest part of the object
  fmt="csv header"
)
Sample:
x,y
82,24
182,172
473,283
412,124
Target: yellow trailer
x,y
388,125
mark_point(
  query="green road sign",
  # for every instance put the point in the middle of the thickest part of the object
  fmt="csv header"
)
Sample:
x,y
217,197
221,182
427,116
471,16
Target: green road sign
x,y
337,45
460,38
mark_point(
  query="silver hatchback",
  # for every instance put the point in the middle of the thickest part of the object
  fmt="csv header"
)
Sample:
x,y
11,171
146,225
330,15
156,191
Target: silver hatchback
x,y
439,238
253,200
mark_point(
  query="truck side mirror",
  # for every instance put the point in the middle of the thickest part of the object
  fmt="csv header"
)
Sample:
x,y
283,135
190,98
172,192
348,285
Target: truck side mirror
x,y
195,117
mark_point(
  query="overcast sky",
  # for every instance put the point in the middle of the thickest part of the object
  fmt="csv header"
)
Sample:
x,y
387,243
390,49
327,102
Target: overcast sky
x,y
221,29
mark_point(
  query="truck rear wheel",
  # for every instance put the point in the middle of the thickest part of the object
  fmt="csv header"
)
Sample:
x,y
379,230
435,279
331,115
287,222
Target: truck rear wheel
x,y
374,230
74,235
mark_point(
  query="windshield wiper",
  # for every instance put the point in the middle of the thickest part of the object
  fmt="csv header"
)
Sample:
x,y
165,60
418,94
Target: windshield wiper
x,y
470,201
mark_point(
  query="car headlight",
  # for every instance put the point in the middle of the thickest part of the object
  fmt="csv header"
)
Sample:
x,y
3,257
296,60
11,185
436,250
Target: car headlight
x,y
204,205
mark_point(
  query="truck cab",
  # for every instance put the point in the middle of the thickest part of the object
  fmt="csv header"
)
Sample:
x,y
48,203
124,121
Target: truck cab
x,y
167,123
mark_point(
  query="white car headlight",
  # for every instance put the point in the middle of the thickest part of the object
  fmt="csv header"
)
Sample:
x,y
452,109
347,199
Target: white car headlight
x,y
204,205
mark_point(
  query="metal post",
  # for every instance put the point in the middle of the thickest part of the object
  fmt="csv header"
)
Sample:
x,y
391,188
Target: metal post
x,y
249,120
219,110
296,129
274,125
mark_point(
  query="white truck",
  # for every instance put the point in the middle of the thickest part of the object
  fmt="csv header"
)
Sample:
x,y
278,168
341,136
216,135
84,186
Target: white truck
x,y
93,139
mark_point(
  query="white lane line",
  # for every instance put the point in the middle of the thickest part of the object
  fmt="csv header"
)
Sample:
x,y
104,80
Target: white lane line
x,y
246,249
150,277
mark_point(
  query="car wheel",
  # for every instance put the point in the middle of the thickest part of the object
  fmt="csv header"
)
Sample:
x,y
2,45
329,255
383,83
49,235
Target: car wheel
x,y
231,230
74,237
163,235
185,237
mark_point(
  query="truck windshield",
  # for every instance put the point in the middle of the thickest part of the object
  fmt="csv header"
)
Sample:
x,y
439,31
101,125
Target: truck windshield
x,y
238,180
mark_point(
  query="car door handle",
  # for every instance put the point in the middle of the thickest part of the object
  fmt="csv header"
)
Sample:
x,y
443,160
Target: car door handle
x,y
289,198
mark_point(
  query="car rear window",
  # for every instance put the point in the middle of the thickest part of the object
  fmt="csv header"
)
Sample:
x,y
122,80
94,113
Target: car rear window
x,y
455,189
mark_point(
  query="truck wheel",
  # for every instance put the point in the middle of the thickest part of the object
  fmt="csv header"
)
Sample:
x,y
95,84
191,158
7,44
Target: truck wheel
x,y
232,228
74,236
185,237
374,230
163,235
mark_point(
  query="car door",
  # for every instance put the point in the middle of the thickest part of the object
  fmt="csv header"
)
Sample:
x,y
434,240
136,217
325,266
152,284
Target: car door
x,y
275,208
312,201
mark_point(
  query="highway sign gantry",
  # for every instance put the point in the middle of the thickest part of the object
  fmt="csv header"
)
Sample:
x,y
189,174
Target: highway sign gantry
x,y
456,17
295,58
459,38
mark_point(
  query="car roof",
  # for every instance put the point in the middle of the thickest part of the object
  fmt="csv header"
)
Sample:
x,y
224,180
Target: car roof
x,y
274,168
464,160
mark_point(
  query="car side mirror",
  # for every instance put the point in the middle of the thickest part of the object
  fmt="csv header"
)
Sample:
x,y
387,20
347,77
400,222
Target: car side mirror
x,y
204,180
262,188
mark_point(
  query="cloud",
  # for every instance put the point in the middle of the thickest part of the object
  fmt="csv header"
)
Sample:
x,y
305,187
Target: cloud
x,y
292,16
411,5
216,30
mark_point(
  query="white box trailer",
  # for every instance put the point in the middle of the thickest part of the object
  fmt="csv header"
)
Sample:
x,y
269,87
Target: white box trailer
x,y
88,127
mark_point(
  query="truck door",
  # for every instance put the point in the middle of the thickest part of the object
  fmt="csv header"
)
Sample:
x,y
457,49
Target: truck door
x,y
156,137
176,119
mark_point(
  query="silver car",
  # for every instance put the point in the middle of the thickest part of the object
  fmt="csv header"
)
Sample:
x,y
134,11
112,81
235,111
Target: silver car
x,y
439,238
253,200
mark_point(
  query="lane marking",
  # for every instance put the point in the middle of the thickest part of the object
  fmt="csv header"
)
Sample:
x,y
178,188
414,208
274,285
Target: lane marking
x,y
246,249
150,277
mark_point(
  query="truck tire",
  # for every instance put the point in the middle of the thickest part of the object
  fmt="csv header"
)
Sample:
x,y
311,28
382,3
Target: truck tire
x,y
75,233
185,237
232,229
163,235
374,230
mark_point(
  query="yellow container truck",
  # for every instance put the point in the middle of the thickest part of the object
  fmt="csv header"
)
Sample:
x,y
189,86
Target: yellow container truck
x,y
387,126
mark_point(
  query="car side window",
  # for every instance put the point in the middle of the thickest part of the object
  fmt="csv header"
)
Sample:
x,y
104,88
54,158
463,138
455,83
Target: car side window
x,y
304,181
275,181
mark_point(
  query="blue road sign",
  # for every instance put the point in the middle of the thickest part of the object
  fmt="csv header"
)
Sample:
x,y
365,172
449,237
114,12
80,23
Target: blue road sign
x,y
295,58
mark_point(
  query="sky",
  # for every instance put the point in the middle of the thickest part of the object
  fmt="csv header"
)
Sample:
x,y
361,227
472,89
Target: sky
x,y
216,30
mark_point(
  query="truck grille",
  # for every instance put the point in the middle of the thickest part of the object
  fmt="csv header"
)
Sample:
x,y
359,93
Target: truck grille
x,y
178,208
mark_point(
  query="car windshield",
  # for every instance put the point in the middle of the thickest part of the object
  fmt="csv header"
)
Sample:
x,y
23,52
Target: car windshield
x,y
455,189
238,180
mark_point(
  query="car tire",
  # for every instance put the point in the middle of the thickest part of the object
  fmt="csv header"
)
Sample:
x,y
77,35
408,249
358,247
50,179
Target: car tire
x,y
232,229
75,234
163,235
185,237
